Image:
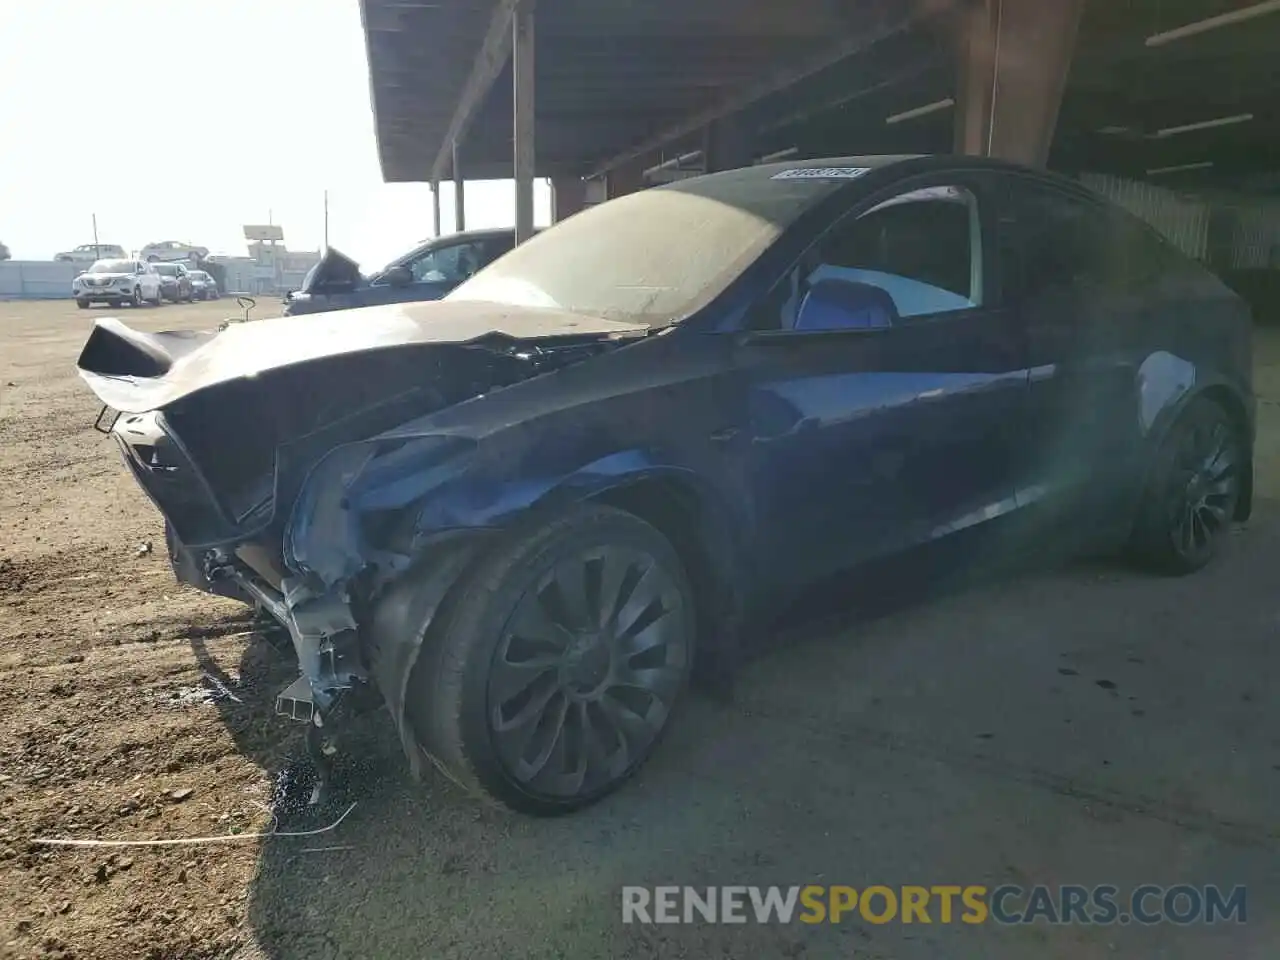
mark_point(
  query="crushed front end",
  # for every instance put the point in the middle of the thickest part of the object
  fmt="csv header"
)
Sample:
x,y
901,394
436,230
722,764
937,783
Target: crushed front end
x,y
290,489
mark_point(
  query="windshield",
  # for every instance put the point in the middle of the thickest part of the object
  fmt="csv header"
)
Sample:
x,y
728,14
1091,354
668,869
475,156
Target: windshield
x,y
655,256
112,266
197,275
167,269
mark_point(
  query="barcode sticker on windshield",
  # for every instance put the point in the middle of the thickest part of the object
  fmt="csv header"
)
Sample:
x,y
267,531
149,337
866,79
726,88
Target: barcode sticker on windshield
x,y
821,173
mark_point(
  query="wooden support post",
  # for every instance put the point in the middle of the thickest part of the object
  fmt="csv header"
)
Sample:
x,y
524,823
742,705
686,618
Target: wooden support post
x,y
1014,56
522,51
725,145
459,193
568,196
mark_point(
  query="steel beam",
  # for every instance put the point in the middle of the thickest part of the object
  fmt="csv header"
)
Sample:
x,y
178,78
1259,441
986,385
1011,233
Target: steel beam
x,y
435,207
892,18
494,52
522,74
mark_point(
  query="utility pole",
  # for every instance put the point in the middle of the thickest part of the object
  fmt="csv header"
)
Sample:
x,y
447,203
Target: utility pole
x,y
326,219
97,254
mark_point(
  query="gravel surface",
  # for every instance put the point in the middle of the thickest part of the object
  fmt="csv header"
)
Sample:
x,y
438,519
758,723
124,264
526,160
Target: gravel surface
x,y
1088,725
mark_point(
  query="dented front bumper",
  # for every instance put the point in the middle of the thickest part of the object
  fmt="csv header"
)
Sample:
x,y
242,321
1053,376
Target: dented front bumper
x,y
339,650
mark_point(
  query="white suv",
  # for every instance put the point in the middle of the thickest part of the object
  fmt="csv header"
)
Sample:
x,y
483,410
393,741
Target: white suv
x,y
170,250
89,252
117,282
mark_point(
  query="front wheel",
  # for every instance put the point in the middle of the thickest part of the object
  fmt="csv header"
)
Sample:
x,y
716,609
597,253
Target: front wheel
x,y
558,663
1193,491
82,304
137,297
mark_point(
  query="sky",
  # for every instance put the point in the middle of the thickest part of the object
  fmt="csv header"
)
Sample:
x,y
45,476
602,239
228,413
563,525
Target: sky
x,y
184,121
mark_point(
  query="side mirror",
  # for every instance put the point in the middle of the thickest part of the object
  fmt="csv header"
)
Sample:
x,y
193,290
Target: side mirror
x,y
841,305
398,276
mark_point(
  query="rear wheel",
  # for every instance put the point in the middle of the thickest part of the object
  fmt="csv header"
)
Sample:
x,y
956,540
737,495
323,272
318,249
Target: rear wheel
x,y
558,663
1193,490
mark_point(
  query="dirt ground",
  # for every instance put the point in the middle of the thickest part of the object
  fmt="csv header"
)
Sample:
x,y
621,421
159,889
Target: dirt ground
x,y
1087,725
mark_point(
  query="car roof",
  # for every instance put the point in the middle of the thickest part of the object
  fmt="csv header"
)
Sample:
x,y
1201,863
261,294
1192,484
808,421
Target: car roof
x,y
489,233
913,163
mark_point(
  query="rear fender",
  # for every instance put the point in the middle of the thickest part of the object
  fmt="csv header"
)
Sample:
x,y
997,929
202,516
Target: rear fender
x,y
1167,385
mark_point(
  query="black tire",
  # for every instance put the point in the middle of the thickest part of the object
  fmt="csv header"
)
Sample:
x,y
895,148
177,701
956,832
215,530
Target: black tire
x,y
117,304
137,297
583,733
158,300
82,304
1193,491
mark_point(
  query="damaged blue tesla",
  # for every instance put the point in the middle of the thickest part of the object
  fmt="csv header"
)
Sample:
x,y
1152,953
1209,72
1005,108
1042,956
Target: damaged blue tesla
x,y
526,513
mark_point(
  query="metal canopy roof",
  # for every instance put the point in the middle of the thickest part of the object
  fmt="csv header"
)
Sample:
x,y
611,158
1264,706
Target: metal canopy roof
x,y
639,79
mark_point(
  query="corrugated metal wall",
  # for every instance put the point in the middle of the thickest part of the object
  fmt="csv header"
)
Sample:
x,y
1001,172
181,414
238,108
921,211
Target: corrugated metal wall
x,y
1250,225
51,279
1183,221
37,279
1256,237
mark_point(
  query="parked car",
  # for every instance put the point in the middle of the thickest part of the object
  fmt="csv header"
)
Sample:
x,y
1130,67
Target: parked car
x,y
203,286
175,282
89,252
169,250
523,512
427,272
117,282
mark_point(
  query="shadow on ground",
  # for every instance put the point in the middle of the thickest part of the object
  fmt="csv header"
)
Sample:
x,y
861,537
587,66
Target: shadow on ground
x,y
1088,726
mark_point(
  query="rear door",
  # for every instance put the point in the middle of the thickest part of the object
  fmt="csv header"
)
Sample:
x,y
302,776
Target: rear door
x,y
1082,275
864,443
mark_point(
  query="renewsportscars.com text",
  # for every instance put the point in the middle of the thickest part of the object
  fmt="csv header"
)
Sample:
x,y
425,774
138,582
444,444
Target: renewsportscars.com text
x,y
942,903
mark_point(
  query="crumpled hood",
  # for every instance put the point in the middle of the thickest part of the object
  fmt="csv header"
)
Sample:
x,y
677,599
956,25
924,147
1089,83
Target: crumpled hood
x,y
335,271
136,372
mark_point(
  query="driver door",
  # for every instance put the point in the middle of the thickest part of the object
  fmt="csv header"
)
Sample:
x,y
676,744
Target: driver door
x,y
869,441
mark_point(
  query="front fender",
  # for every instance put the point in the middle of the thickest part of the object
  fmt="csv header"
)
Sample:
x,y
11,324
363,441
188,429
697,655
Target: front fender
x,y
362,503
500,500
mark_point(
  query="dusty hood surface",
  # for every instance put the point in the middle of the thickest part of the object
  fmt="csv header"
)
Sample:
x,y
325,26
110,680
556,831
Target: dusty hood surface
x,y
136,372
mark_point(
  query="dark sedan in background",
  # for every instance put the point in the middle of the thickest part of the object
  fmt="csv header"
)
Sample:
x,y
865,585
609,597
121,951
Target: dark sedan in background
x,y
175,282
426,273
203,286
524,513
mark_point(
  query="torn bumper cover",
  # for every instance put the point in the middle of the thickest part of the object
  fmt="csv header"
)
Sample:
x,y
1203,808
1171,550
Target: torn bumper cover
x,y
291,459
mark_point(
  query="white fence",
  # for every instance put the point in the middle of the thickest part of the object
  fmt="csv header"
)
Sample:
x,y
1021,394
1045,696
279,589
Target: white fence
x,y
36,279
